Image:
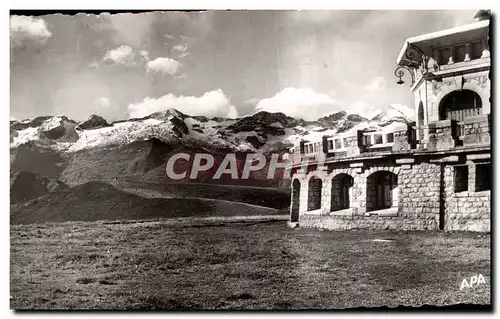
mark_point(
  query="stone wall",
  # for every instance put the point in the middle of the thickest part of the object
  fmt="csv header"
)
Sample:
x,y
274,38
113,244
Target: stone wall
x,y
477,130
401,142
440,135
423,197
466,210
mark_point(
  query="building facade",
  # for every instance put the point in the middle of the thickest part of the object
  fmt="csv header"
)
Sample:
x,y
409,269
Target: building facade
x,y
433,174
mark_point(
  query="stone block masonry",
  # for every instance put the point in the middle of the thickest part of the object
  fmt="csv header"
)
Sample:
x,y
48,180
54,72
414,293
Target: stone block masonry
x,y
406,194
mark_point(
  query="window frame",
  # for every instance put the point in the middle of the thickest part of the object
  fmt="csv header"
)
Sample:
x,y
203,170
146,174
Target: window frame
x,y
486,174
332,140
464,185
387,138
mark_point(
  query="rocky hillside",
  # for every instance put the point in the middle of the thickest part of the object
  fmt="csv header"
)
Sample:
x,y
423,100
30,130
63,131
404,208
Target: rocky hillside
x,y
26,185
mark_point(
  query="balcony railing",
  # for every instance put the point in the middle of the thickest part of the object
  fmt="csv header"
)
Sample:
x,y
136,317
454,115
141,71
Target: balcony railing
x,y
472,131
460,115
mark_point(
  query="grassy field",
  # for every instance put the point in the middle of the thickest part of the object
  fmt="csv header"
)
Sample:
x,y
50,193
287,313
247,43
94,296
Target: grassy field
x,y
231,264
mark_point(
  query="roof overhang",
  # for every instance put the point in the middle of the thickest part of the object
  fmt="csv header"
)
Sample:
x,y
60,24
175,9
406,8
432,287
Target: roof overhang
x,y
426,43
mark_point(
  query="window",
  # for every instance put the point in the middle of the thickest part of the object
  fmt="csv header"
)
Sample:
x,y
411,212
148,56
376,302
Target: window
x,y
444,56
341,186
476,50
459,53
461,178
338,143
378,139
330,144
483,177
345,142
390,138
367,140
381,191
308,148
458,105
314,194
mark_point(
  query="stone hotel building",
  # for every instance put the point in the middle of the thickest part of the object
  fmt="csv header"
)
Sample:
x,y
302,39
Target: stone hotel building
x,y
434,174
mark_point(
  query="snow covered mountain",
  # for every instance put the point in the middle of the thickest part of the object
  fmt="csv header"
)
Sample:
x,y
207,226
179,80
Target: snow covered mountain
x,y
261,132
58,148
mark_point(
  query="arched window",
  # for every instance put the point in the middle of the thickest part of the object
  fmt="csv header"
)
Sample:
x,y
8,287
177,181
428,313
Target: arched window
x,y
458,105
341,189
294,214
314,194
381,191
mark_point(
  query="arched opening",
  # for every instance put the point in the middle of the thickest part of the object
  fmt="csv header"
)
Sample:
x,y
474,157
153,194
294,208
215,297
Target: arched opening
x,y
314,193
420,113
459,105
381,191
294,214
341,191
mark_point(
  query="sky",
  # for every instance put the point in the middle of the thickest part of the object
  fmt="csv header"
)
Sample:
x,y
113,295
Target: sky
x,y
306,64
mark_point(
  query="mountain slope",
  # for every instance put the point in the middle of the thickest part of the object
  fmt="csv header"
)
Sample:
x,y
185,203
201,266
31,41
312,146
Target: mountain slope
x,y
94,201
26,186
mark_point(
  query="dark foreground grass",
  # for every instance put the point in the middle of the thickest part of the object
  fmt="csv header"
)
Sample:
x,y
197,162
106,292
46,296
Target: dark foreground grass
x,y
240,265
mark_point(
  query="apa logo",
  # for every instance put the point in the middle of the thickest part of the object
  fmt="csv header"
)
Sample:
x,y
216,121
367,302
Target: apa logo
x,y
474,280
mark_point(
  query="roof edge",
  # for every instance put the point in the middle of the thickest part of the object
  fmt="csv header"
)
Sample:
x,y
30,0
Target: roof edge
x,y
438,34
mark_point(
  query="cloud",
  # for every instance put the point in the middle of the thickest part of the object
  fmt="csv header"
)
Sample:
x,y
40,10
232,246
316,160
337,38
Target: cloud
x,y
213,103
233,113
184,54
299,103
180,76
94,64
129,28
144,54
312,16
103,102
124,54
376,85
164,65
22,27
180,47
251,101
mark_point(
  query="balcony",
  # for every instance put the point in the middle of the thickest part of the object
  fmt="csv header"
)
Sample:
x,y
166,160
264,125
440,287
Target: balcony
x,y
447,134
461,115
471,131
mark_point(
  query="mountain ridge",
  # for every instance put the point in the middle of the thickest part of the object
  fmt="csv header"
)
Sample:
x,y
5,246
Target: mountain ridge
x,y
258,132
